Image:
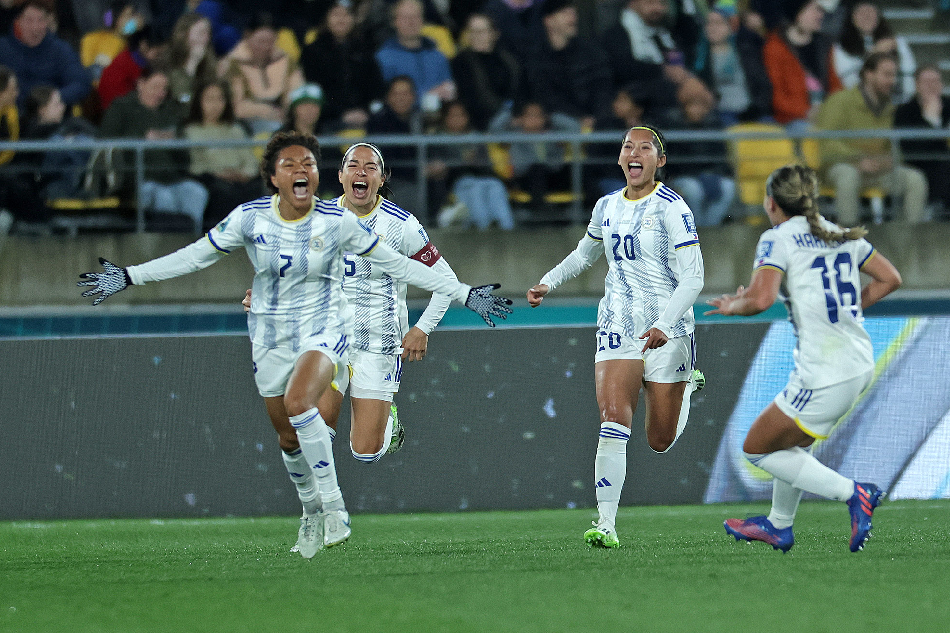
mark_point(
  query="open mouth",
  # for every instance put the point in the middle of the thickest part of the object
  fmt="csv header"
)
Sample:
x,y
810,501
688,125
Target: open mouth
x,y
635,169
360,188
301,187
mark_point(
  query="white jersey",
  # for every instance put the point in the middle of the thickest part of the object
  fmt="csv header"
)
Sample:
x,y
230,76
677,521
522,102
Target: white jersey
x,y
377,301
821,289
654,263
298,267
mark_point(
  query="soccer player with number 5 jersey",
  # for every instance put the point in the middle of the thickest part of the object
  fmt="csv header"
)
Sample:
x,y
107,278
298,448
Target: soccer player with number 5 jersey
x,y
815,266
645,320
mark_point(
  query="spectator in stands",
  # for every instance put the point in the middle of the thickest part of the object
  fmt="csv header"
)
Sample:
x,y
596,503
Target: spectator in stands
x,y
98,48
262,77
37,56
729,61
867,31
702,174
487,75
90,16
565,73
230,175
225,31
644,54
148,113
59,173
399,115
538,168
341,60
465,170
191,58
120,77
851,164
306,105
411,54
18,192
518,23
929,109
797,59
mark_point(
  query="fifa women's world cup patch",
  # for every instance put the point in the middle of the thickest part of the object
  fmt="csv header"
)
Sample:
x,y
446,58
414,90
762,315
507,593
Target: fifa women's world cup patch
x,y
764,251
690,224
428,255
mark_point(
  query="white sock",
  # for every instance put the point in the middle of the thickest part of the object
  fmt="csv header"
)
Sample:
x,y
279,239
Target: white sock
x,y
387,435
314,437
610,468
684,413
785,498
799,468
300,474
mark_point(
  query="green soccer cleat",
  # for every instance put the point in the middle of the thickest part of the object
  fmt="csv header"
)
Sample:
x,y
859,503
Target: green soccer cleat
x,y
602,534
698,380
399,432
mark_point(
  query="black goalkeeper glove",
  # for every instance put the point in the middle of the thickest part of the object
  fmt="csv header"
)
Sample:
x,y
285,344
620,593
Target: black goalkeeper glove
x,y
110,281
481,300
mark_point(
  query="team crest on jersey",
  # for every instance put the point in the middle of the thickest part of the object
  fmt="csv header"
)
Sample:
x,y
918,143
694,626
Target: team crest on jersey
x,y
689,223
316,244
649,223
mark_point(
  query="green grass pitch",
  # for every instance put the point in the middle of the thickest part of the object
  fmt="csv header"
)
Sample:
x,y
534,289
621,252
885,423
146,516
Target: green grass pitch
x,y
676,571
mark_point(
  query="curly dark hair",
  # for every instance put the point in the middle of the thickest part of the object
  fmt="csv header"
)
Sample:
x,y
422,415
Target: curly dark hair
x,y
281,141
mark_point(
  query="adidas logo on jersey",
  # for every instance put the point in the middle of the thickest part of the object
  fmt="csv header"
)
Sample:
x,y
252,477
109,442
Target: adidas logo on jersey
x,y
260,239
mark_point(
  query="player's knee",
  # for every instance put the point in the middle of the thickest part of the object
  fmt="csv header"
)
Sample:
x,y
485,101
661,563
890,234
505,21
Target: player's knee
x,y
296,404
616,412
365,446
660,440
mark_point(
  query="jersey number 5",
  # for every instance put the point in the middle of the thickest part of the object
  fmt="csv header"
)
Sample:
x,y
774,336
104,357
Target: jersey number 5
x,y
844,295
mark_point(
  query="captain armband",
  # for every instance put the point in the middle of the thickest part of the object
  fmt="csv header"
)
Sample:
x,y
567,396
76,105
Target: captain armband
x,y
427,255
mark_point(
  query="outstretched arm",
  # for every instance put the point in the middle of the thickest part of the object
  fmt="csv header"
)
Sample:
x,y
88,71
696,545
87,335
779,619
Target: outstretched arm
x,y
758,297
113,279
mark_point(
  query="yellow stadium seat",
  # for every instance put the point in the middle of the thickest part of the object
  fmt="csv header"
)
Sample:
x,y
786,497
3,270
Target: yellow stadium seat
x,y
753,159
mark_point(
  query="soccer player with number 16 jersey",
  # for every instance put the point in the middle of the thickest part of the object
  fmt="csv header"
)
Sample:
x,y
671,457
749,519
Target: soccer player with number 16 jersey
x,y
815,265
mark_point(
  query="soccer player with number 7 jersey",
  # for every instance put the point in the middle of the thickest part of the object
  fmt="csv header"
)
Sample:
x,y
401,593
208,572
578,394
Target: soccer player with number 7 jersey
x,y
815,266
298,316
645,320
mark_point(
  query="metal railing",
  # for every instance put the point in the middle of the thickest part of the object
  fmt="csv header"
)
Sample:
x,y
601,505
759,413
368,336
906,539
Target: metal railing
x,y
579,144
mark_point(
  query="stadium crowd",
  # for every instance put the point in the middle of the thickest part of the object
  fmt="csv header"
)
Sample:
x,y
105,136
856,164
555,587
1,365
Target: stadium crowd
x,y
218,70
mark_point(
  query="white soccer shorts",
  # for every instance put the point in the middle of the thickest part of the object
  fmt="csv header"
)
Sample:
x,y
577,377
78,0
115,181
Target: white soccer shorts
x,y
272,367
816,411
370,376
674,362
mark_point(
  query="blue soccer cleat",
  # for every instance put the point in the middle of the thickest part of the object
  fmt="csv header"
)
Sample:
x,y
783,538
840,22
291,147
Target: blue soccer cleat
x,y
861,505
760,529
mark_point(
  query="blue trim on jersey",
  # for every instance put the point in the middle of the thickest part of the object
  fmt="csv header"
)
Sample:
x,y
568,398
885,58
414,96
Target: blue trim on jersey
x,y
685,244
668,194
218,248
865,260
393,209
596,239
326,209
370,249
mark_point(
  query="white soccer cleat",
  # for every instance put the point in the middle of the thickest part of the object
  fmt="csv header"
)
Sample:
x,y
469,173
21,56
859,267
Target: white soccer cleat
x,y
336,527
309,536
